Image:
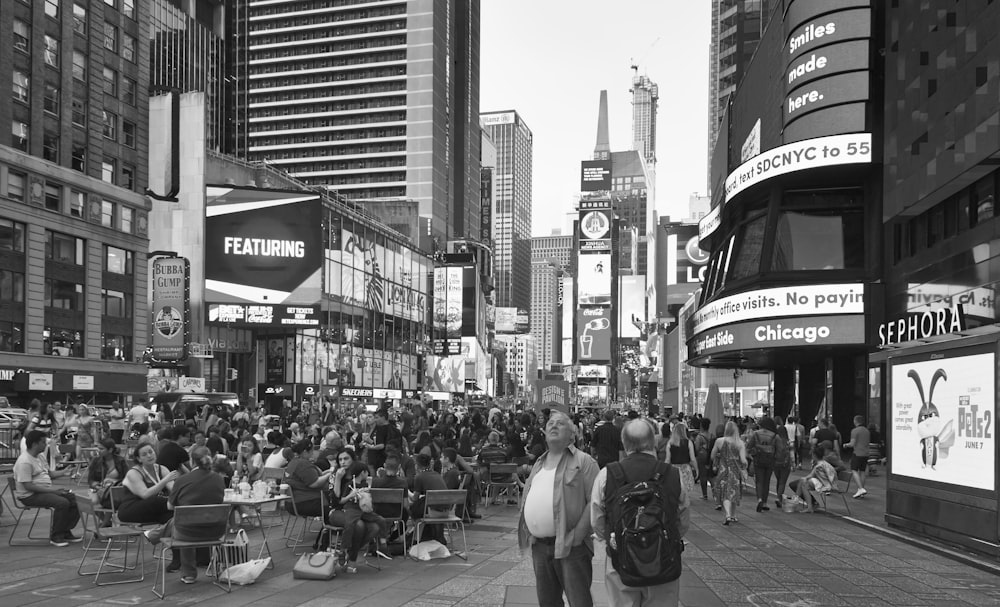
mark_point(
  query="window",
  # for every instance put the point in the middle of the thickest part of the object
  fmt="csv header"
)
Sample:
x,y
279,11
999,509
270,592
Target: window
x,y
128,133
128,90
823,239
22,35
80,18
79,157
117,261
79,111
128,48
53,197
52,8
64,248
79,66
128,219
51,54
11,286
107,213
58,341
76,202
15,185
983,200
128,8
116,347
21,86
19,135
63,294
128,177
11,336
108,170
110,3
50,101
110,82
11,236
50,147
110,129
111,37
116,303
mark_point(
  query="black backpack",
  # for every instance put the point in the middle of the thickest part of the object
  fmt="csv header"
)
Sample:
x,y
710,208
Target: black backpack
x,y
644,543
763,452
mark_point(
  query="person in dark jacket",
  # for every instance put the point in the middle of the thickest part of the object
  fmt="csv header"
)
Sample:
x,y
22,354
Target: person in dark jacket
x,y
607,441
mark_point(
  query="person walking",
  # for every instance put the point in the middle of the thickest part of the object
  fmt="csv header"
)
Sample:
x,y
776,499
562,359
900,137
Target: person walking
x,y
782,465
761,447
680,453
607,442
730,457
640,462
554,520
702,452
861,443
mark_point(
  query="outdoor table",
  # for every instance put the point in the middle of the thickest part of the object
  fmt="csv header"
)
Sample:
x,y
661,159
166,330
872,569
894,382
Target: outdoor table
x,y
257,503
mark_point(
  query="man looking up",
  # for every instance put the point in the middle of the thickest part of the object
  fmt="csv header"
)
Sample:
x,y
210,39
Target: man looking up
x,y
555,517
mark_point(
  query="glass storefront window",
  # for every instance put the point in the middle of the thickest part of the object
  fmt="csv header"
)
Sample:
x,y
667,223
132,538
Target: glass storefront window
x,y
819,240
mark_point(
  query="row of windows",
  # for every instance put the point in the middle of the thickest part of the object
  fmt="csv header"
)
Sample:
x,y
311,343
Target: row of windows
x,y
347,75
51,53
64,248
321,19
330,122
366,178
55,197
329,106
315,5
327,45
323,137
949,218
347,150
354,165
316,94
295,63
110,173
361,29
62,341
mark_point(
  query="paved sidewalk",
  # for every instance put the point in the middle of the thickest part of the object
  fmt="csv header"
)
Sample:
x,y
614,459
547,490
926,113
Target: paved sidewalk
x,y
771,558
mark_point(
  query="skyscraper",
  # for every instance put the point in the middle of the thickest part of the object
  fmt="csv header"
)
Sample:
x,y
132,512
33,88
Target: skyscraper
x,y
379,101
645,100
512,208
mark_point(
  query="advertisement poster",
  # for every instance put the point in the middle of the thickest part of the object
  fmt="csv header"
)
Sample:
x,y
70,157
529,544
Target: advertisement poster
x,y
275,364
552,394
170,307
444,373
593,334
943,420
594,279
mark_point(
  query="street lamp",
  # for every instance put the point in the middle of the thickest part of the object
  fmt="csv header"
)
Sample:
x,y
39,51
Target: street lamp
x,y
736,376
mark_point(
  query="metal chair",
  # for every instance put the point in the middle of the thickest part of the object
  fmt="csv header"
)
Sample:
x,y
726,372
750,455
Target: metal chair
x,y
21,510
293,538
86,454
435,499
392,497
327,529
91,519
195,517
275,515
508,481
844,476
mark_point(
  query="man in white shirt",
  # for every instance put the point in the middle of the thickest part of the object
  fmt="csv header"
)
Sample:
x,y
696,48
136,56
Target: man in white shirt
x,y
34,488
139,416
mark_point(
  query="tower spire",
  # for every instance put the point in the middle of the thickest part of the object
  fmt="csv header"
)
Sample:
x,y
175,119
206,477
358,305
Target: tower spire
x,y
602,150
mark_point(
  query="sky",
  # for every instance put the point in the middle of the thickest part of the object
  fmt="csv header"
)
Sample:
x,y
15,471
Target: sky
x,y
549,60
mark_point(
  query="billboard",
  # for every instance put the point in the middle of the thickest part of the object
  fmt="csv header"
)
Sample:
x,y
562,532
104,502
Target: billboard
x,y
942,417
262,315
802,300
593,333
631,305
594,279
512,320
552,394
595,175
444,373
486,205
595,225
170,308
262,246
499,118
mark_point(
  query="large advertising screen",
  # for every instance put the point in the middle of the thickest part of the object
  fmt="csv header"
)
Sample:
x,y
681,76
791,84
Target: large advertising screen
x,y
593,334
444,373
595,175
594,279
262,246
943,418
170,308
632,305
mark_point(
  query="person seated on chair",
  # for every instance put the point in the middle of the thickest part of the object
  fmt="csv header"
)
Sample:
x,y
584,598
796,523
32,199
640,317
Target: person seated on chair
x,y
173,452
360,527
427,480
454,476
148,484
200,487
821,478
391,479
106,470
249,462
34,488
305,479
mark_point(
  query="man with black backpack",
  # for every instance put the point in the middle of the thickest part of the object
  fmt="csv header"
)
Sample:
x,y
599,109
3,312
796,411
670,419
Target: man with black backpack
x,y
640,509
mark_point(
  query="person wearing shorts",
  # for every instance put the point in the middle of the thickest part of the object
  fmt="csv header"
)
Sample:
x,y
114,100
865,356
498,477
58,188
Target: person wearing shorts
x,y
861,443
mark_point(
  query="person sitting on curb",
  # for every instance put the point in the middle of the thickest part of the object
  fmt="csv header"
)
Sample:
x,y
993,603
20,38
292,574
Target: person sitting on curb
x,y
34,488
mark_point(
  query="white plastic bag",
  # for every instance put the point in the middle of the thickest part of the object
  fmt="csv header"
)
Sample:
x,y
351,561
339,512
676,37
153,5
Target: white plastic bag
x,y
430,549
246,573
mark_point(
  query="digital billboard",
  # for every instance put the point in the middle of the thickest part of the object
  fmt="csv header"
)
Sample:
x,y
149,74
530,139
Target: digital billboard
x,y
631,305
942,418
262,315
444,373
593,334
170,308
594,279
262,246
595,175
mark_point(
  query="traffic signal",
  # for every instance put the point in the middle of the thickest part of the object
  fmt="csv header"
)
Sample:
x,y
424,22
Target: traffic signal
x,y
233,373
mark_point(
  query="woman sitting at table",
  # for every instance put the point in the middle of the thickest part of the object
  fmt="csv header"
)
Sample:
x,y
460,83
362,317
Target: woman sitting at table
x,y
148,485
249,462
305,480
359,527
106,470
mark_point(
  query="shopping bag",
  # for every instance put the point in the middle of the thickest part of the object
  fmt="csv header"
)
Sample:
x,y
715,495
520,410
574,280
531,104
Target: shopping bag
x,y
237,548
316,566
430,549
246,573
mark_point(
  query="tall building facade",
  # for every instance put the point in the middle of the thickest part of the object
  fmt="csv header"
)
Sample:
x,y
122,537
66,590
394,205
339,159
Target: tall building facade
x,y
737,26
73,219
645,102
512,207
555,247
376,101
544,310
630,190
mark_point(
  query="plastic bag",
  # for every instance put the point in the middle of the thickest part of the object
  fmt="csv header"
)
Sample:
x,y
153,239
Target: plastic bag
x,y
365,502
246,573
430,549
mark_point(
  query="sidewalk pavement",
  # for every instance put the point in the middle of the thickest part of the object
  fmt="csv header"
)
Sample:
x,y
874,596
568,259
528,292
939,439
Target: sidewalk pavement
x,y
767,559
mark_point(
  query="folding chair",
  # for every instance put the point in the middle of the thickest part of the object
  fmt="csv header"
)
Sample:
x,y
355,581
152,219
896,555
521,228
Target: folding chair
x,y
392,497
508,482
822,497
90,516
293,538
21,510
328,530
87,454
434,499
67,458
194,517
275,513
